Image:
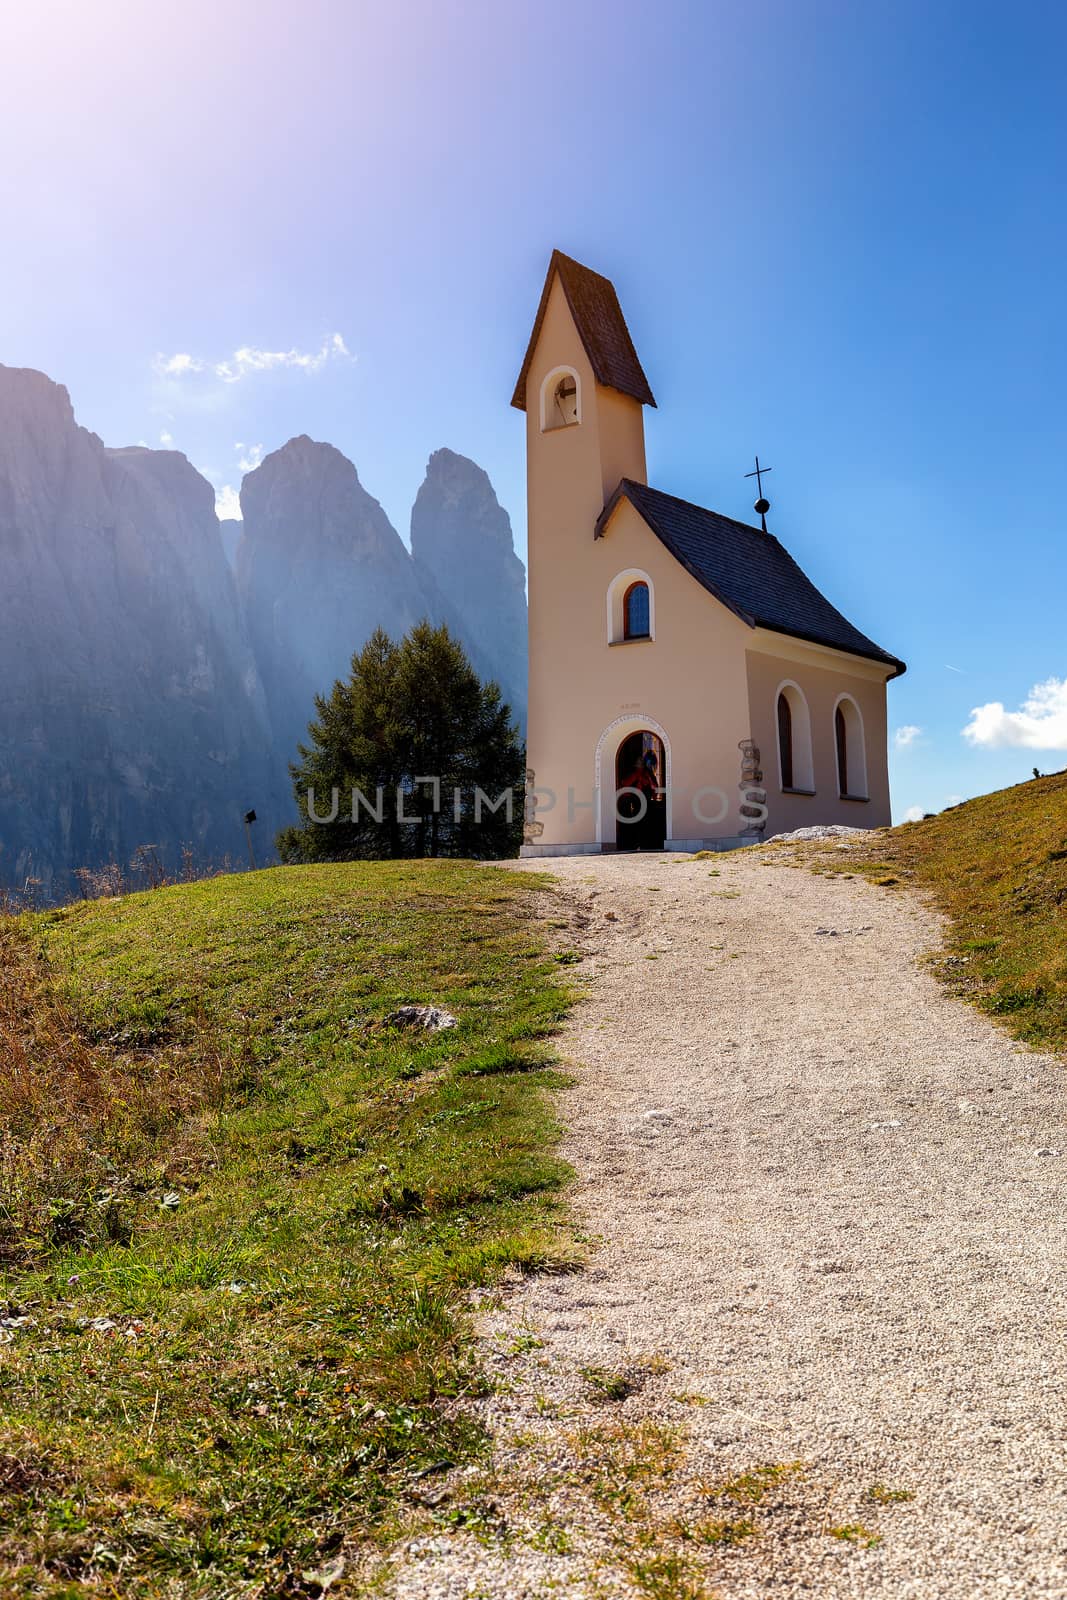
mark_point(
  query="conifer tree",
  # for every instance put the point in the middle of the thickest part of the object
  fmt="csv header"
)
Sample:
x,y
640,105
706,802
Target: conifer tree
x,y
408,712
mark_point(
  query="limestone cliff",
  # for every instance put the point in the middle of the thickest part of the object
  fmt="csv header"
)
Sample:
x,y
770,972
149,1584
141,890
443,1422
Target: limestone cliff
x,y
231,529
319,567
150,696
130,707
462,546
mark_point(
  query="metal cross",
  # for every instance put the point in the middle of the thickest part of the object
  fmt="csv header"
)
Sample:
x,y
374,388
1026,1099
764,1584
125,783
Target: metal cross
x,y
758,475
762,505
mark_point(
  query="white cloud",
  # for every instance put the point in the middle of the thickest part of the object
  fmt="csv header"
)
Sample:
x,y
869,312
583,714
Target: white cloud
x,y
250,456
249,359
177,366
1039,724
906,736
913,814
227,502
166,439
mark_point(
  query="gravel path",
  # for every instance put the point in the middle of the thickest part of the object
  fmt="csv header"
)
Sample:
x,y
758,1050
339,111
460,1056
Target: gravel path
x,y
828,1201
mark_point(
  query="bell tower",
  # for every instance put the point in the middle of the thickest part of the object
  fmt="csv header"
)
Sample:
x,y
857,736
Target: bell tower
x,y
582,389
581,379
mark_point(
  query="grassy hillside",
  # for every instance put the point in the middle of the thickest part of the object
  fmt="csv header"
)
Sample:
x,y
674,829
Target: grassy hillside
x,y
998,867
239,1206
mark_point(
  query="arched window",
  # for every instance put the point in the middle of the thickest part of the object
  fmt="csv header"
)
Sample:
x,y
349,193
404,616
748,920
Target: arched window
x,y
841,739
636,612
631,607
793,724
785,741
561,400
851,753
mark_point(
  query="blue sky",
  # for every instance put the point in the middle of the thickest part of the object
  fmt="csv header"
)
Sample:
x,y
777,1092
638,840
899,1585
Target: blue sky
x,y
838,230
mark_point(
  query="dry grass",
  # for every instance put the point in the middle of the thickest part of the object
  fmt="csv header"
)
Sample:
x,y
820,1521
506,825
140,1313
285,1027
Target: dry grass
x,y
82,1121
243,1210
997,866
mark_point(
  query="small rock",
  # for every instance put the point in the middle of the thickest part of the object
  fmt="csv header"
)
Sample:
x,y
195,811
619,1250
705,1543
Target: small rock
x,y
324,1577
9,1326
430,1018
831,830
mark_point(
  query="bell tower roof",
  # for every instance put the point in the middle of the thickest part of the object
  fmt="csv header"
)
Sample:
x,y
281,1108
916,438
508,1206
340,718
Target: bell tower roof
x,y
597,314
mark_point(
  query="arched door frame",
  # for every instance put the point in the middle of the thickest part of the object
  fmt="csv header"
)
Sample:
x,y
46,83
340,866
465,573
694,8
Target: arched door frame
x,y
609,742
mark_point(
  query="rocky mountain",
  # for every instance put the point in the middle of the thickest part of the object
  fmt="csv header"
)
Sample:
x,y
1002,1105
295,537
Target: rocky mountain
x,y
148,694
231,529
131,711
319,567
462,547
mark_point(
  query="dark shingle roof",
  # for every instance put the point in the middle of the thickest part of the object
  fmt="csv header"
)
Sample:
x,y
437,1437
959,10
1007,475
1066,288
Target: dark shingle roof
x,y
747,569
598,317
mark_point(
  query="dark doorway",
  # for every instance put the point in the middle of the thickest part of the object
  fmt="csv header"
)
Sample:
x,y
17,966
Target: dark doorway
x,y
641,771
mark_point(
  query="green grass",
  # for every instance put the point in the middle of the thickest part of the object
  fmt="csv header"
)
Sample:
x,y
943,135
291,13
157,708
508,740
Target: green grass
x,y
728,1531
856,1533
998,867
667,1577
605,1385
281,1329
880,1494
752,1487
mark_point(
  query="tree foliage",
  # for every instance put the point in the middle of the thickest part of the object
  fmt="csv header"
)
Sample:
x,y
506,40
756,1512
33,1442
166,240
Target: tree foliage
x,y
409,711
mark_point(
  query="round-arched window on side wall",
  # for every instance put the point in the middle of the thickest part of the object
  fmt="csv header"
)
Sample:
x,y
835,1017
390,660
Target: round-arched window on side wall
x,y
792,722
785,741
850,746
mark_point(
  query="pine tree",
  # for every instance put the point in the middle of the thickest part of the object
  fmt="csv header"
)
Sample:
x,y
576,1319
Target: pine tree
x,y
408,712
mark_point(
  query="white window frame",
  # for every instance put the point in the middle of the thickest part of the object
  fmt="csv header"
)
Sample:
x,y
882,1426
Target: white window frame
x,y
852,736
803,758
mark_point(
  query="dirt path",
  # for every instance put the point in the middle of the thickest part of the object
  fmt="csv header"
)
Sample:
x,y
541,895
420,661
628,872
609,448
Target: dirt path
x,y
832,1229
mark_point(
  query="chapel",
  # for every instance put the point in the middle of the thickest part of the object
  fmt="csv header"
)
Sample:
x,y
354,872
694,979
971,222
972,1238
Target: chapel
x,y
689,687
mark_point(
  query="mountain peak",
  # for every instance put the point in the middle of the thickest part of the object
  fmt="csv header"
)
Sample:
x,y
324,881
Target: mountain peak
x,y
29,398
461,538
304,451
